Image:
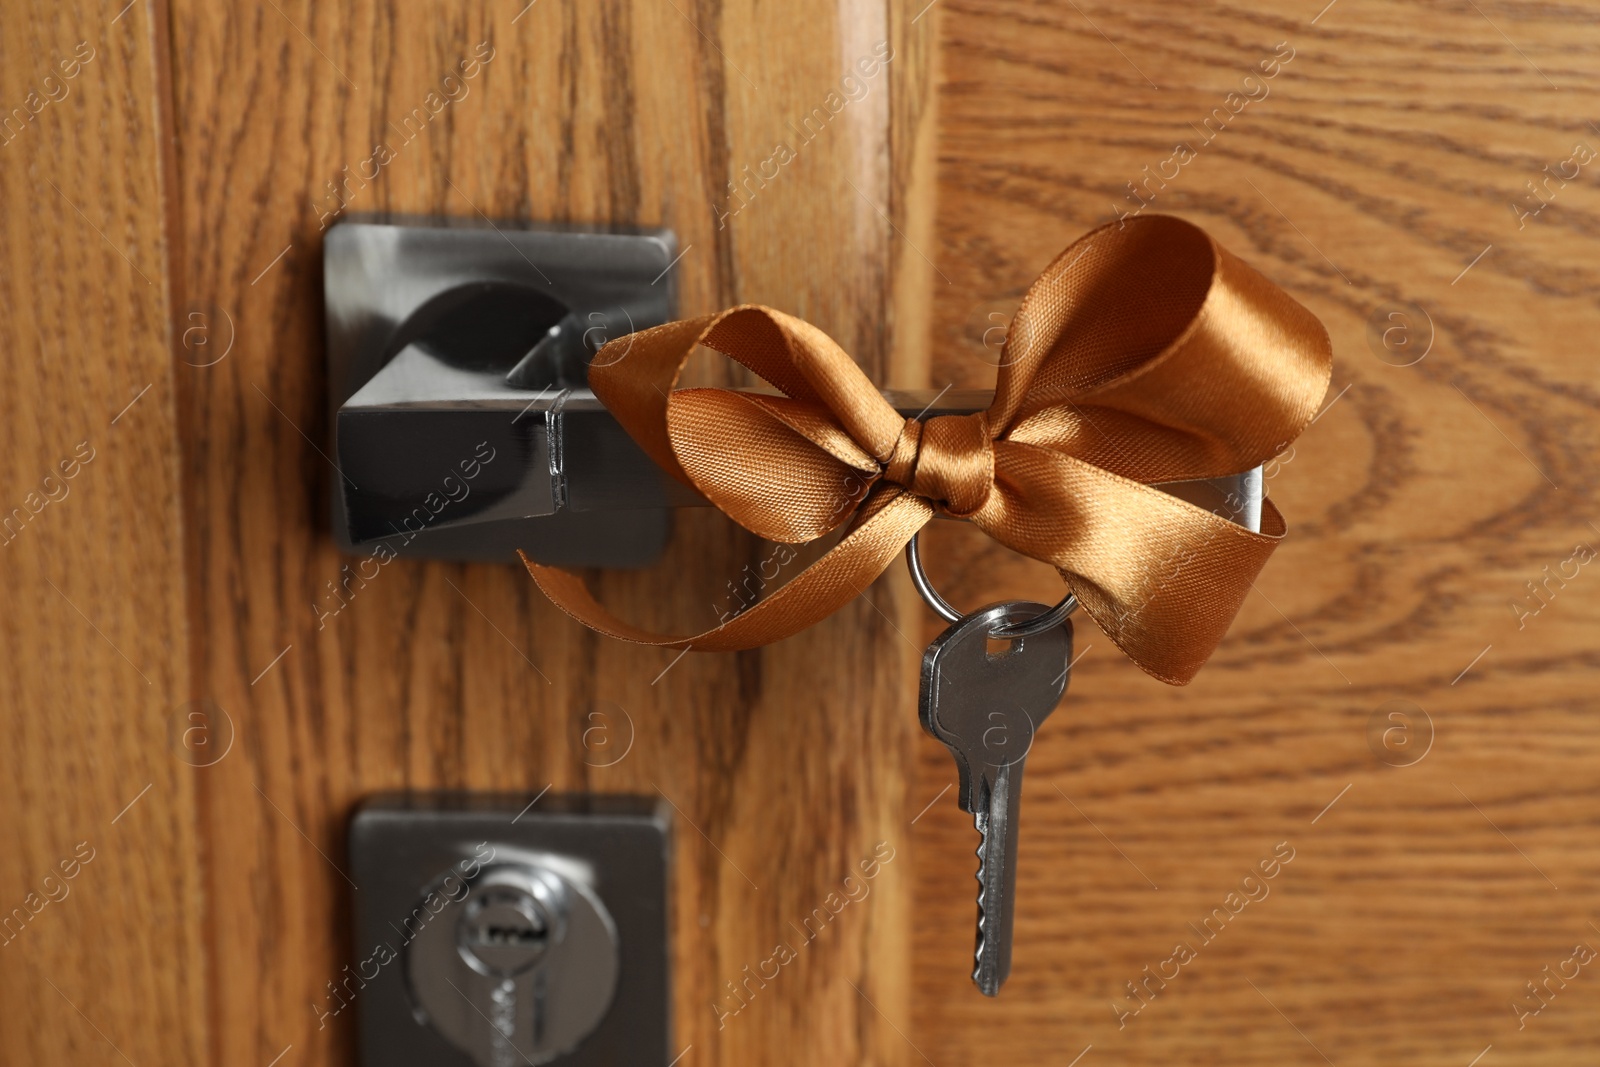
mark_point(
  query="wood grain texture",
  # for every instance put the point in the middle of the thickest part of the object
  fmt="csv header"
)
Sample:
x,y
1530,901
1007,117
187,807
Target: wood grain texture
x,y
100,903
786,766
1376,167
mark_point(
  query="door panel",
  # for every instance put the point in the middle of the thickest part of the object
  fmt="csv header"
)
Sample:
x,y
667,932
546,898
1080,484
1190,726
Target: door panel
x,y
435,675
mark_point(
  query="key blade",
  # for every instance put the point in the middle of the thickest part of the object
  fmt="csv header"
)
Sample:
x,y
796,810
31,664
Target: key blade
x,y
997,880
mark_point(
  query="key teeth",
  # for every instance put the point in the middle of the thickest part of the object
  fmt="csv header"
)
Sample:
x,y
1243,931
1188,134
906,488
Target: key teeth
x,y
983,910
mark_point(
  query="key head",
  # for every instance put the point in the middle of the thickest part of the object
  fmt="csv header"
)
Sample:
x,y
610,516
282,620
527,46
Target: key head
x,y
985,706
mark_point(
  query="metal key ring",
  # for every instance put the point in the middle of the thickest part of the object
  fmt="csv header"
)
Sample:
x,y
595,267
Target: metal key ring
x,y
1046,620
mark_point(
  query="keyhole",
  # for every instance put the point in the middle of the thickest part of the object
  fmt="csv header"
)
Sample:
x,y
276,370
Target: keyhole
x,y
503,931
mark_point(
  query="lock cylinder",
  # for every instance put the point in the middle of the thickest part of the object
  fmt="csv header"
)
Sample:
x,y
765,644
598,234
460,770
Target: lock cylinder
x,y
505,929
519,969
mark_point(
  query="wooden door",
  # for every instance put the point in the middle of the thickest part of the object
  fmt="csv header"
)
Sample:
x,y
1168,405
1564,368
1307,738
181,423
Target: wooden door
x,y
164,217
184,738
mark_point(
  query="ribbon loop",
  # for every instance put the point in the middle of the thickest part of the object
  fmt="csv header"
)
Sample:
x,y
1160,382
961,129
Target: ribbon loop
x,y
1144,353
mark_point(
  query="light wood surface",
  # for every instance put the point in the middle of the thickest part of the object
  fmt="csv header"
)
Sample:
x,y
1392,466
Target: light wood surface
x,y
1382,161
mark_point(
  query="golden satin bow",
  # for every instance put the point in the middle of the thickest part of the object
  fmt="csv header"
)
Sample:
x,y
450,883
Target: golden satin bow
x,y
1145,353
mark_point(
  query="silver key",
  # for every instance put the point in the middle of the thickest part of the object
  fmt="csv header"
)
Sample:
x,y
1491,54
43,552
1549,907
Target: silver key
x,y
985,708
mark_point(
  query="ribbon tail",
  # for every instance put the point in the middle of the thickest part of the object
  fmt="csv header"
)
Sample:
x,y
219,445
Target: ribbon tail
x,y
841,575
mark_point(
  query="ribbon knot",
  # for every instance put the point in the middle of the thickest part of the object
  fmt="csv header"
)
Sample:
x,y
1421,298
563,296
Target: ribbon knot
x,y
1145,353
948,461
